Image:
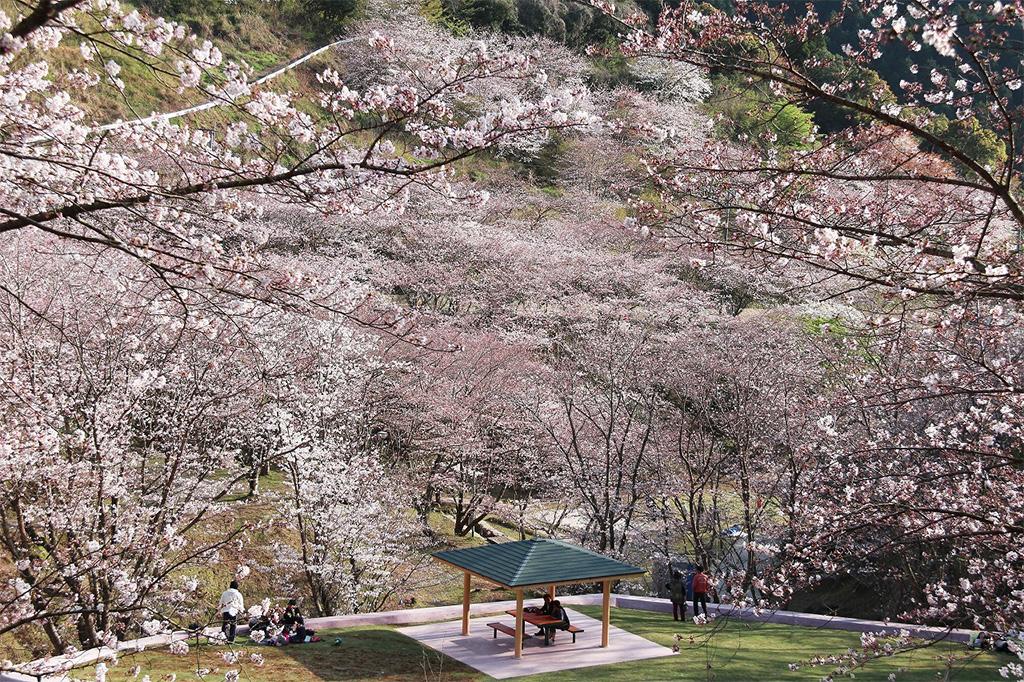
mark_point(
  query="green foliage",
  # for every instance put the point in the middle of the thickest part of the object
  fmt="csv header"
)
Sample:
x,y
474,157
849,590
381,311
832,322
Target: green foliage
x,y
586,26
746,115
563,21
492,15
826,67
869,87
542,17
970,137
310,21
260,61
610,71
434,12
821,326
332,10
178,8
790,123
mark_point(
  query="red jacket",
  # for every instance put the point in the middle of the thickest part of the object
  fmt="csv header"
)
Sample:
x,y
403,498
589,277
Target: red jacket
x,y
700,582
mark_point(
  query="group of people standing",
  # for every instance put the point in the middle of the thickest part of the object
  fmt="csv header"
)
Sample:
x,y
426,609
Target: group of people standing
x,y
697,583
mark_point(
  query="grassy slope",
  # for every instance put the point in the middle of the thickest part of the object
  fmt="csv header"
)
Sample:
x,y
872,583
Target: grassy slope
x,y
263,34
738,652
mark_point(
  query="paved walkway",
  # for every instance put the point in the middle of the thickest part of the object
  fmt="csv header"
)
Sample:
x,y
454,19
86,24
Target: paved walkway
x,y
496,656
434,614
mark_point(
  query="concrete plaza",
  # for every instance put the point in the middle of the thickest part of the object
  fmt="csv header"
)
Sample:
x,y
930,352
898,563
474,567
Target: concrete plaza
x,y
495,656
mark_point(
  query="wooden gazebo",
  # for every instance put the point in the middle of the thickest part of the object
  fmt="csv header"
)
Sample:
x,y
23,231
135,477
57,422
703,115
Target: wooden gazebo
x,y
536,565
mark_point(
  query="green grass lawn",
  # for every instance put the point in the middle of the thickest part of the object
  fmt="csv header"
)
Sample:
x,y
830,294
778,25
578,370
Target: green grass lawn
x,y
736,652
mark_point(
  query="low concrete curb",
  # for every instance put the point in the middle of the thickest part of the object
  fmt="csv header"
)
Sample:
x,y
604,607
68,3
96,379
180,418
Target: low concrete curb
x,y
437,613
48,669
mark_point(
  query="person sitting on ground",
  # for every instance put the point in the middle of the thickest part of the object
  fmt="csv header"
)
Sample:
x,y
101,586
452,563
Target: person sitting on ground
x,y
301,635
295,625
260,623
267,629
992,641
292,615
231,604
1002,643
557,611
274,636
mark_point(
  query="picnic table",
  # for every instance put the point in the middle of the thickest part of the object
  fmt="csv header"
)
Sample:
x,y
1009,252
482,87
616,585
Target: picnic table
x,y
538,619
534,565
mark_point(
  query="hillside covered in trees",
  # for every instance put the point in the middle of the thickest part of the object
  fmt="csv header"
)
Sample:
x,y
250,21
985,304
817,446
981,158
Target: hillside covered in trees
x,y
720,283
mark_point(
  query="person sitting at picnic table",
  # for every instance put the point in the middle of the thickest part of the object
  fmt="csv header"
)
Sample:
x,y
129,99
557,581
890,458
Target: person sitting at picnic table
x,y
557,612
543,610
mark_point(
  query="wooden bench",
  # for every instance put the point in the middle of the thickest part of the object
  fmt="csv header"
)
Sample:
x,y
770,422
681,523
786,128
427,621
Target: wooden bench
x,y
511,631
501,627
573,629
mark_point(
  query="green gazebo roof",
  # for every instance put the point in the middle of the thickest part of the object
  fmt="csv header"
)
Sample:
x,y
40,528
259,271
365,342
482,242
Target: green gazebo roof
x,y
536,562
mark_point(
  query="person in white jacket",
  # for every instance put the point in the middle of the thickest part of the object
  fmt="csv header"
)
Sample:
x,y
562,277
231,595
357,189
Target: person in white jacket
x,y
231,604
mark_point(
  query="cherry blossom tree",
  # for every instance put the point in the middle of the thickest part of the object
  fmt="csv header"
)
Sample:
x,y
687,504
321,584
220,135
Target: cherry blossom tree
x,y
183,197
358,547
906,222
155,388
598,410
737,432
126,410
116,407
918,482
456,427
845,201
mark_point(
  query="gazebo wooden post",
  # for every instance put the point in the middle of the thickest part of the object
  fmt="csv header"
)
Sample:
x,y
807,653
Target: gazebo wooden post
x,y
519,623
465,603
537,564
606,612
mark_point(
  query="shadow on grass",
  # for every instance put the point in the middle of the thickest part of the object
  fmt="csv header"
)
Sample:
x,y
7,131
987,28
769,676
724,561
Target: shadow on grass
x,y
375,654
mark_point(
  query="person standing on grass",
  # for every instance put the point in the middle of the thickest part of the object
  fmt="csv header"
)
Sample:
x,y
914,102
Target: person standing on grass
x,y
701,583
231,604
677,593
